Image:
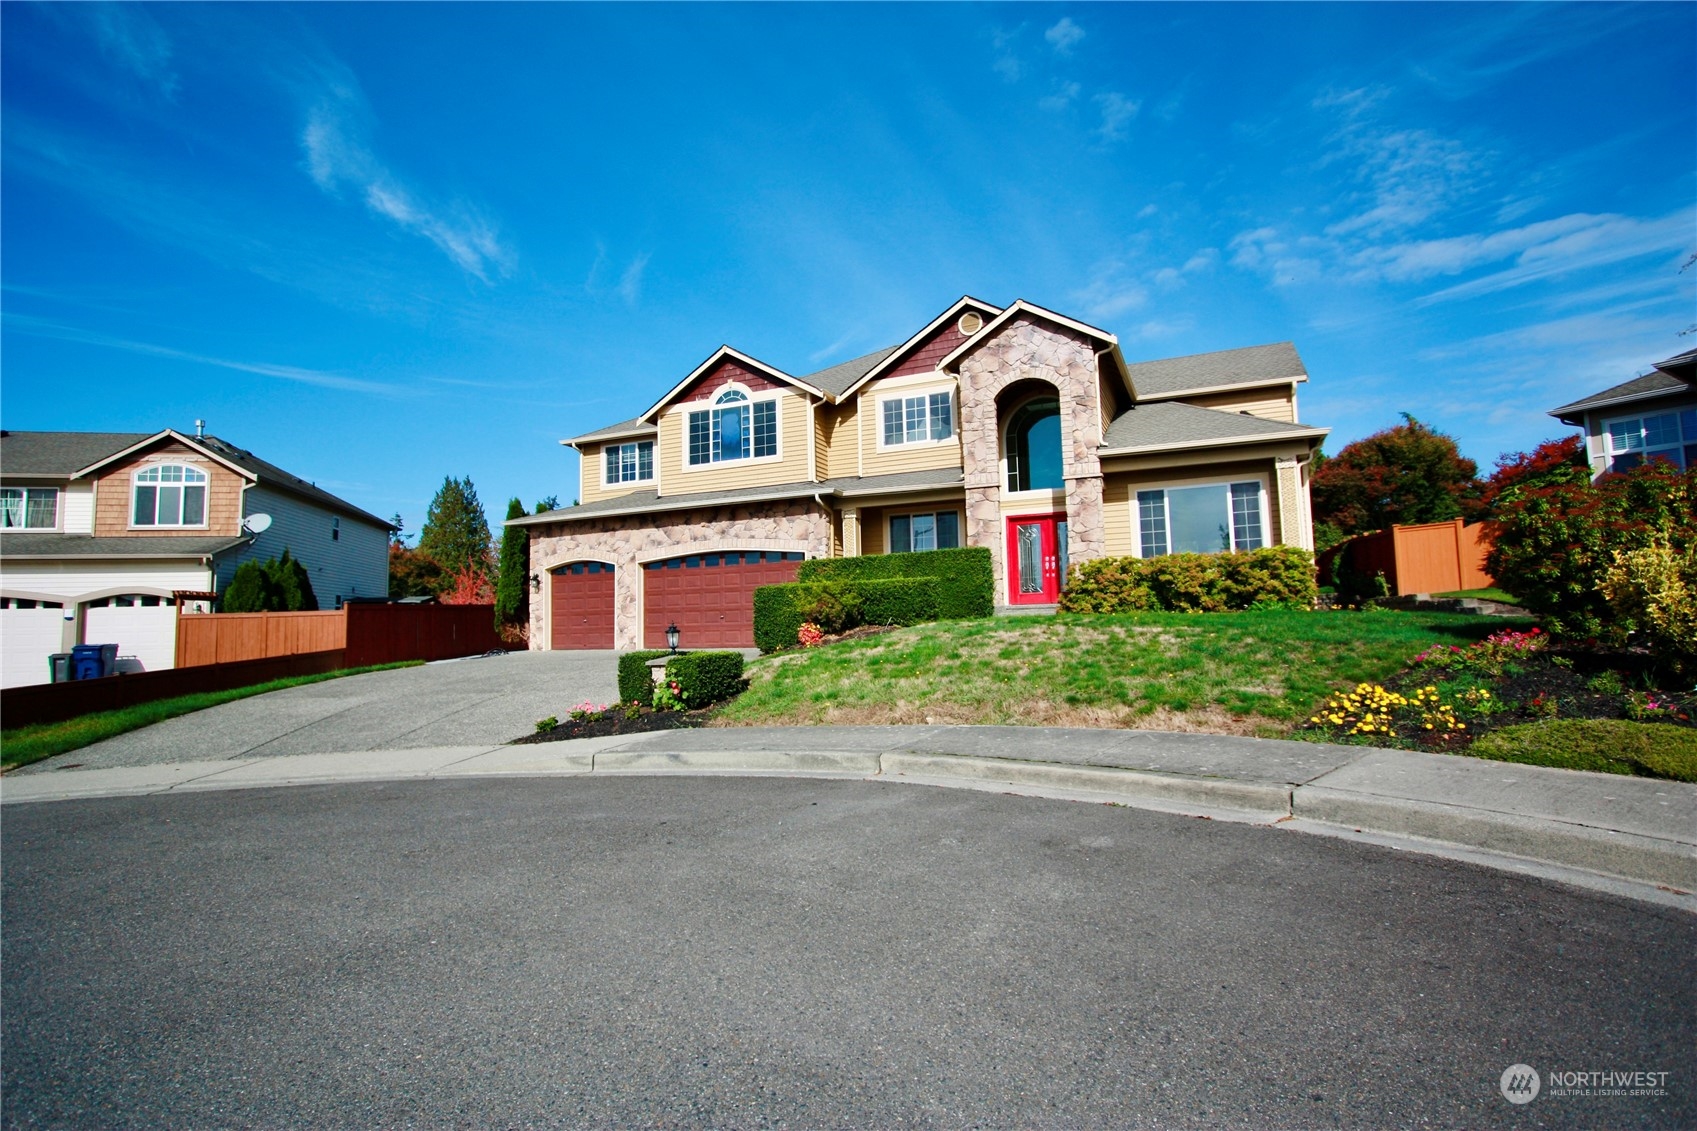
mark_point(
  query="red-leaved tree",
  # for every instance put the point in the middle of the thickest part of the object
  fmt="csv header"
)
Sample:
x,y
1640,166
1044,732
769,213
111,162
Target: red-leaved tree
x,y
1550,463
470,587
1405,474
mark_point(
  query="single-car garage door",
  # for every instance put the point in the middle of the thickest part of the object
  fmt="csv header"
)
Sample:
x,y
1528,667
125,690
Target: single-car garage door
x,y
583,606
710,597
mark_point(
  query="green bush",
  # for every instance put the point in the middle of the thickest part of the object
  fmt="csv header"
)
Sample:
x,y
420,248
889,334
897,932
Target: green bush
x,y
780,610
706,677
636,683
965,585
1609,746
278,585
1277,576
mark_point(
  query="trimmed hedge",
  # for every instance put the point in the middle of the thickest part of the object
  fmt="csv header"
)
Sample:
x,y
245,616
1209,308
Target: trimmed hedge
x,y
1193,583
781,610
965,585
636,683
706,677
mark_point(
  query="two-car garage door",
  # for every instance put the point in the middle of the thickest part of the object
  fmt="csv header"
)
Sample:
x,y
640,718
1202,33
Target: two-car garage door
x,y
710,597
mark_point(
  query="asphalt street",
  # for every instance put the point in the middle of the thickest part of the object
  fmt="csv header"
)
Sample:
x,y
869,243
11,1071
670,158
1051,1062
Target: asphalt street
x,y
764,952
481,699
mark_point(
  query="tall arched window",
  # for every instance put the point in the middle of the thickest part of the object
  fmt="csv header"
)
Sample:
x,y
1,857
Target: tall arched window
x,y
169,494
1034,446
734,428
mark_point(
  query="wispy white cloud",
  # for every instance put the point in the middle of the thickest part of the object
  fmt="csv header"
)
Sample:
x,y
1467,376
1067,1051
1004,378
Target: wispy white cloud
x,y
1405,176
1064,35
44,328
1117,113
1007,62
338,155
1063,96
630,283
130,37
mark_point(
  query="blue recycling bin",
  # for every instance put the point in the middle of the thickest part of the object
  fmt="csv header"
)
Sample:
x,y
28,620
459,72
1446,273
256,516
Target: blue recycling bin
x,y
93,661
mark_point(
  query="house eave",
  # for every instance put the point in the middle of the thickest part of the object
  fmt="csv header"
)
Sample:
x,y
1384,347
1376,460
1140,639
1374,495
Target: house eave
x,y
1235,387
1574,414
1229,442
902,350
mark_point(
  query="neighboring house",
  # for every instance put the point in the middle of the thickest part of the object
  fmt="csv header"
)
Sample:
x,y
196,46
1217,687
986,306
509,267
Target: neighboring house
x,y
1018,429
104,534
1648,417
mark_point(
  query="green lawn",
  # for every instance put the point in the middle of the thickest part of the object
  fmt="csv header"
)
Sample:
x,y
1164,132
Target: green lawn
x,y
1482,595
1242,673
24,745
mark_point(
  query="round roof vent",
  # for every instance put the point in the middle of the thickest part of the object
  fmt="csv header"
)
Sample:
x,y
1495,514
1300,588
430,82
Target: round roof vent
x,y
970,323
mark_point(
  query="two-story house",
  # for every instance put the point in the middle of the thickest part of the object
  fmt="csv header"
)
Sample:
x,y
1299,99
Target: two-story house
x,y
1648,417
1017,428
104,535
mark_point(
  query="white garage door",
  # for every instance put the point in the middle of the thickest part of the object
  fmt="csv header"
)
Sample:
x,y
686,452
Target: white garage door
x,y
27,638
146,637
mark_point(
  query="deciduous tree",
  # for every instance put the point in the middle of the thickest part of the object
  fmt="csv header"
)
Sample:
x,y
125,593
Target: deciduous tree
x,y
1405,474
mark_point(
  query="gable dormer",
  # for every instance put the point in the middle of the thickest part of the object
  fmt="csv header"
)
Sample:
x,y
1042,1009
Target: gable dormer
x,y
733,423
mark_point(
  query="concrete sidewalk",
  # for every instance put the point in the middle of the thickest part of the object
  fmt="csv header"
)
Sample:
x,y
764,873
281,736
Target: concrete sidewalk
x,y
1633,835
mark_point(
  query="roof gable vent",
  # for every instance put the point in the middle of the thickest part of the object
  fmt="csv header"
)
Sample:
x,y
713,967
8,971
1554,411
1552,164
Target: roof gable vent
x,y
970,323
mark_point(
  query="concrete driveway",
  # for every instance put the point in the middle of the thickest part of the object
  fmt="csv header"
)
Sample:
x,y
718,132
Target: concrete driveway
x,y
488,699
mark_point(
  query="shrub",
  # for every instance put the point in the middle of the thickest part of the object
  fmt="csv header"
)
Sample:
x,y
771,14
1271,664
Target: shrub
x,y
1557,540
1653,592
1610,746
278,585
965,585
705,677
636,683
781,610
1279,576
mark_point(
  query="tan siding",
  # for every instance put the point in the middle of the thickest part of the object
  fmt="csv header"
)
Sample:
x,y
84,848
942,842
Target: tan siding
x,y
677,479
822,415
1119,493
919,457
113,494
1116,517
1269,404
872,531
842,456
595,474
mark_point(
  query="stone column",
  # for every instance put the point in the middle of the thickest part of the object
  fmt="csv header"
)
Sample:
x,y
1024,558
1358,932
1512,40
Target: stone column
x,y
1086,533
1293,529
851,532
984,528
627,603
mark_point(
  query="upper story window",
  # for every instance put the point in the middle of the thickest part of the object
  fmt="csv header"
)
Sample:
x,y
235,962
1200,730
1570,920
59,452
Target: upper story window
x,y
733,429
1034,446
927,417
1200,520
31,508
169,494
1631,440
630,463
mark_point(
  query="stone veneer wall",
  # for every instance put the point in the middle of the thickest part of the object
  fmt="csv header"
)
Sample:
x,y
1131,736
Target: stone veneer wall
x,y
1027,349
630,540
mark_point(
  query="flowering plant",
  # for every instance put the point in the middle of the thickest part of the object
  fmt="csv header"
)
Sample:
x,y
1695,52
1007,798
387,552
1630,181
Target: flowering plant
x,y
1372,709
1646,707
669,696
585,709
809,635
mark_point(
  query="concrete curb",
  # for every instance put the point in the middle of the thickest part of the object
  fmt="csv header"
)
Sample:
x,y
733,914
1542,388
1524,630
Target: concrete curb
x,y
1618,834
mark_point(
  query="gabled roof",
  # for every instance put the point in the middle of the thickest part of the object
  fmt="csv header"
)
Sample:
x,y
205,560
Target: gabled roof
x,y
841,379
1030,309
1274,364
1165,425
1647,387
894,356
742,359
59,455
21,545
636,426
270,475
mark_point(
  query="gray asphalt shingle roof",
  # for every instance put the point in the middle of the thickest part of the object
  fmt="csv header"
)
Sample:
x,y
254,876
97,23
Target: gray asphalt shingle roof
x,y
271,475
624,427
645,502
60,453
838,378
1654,384
1270,363
1173,422
23,544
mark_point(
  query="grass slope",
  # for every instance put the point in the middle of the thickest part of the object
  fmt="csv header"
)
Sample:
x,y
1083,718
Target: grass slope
x,y
1241,673
24,745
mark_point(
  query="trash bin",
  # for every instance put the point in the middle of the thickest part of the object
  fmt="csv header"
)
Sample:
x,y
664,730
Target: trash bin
x,y
93,661
59,667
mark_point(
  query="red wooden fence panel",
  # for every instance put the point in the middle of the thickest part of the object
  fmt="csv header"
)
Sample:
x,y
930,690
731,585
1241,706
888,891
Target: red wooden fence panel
x,y
381,634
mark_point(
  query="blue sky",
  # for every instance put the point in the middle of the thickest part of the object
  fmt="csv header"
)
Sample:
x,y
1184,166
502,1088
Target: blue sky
x,y
381,244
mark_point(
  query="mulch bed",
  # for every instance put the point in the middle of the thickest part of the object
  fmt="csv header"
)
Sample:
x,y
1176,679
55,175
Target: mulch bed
x,y
613,721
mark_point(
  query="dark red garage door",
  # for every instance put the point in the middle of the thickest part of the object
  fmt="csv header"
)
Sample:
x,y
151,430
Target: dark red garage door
x,y
710,596
583,606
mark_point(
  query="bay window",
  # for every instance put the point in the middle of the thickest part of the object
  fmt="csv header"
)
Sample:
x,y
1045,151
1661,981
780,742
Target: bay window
x,y
1200,520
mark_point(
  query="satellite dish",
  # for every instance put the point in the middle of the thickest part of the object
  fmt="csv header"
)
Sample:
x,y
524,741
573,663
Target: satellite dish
x,y
256,523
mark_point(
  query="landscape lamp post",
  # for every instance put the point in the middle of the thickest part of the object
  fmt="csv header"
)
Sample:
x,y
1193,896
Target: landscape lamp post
x,y
672,637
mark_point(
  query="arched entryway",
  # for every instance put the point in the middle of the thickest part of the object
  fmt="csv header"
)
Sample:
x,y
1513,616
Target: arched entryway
x,y
1033,487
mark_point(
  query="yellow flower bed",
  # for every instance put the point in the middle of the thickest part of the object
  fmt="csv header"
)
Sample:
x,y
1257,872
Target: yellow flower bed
x,y
1371,709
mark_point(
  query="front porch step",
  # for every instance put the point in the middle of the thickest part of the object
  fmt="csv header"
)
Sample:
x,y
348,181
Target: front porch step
x,y
1026,610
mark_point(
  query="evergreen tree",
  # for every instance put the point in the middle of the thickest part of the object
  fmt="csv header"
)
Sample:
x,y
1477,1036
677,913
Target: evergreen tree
x,y
551,503
292,585
512,591
456,531
249,591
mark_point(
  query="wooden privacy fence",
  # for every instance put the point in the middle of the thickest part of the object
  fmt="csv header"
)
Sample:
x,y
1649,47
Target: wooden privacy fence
x,y
368,634
1433,557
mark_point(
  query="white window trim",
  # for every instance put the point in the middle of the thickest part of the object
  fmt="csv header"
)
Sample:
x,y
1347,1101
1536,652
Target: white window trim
x,y
134,481
1262,491
1646,452
907,393
708,404
889,531
653,458
1036,494
58,507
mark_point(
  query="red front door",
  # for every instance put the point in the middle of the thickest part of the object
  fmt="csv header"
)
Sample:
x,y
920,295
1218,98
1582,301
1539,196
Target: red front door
x,y
1037,558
